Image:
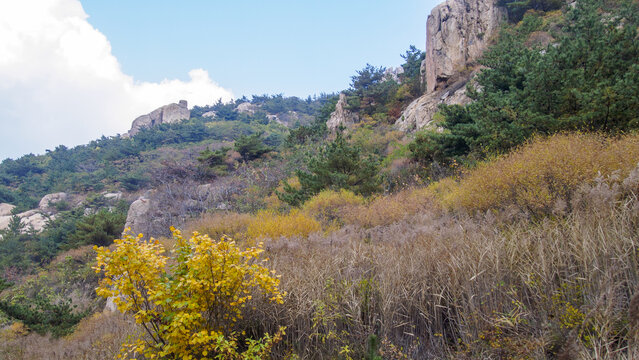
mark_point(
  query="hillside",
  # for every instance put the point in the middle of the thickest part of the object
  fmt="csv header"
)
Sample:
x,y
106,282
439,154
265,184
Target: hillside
x,y
480,201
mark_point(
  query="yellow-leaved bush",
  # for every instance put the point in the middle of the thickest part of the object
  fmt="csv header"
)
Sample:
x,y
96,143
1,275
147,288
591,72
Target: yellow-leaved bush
x,y
189,308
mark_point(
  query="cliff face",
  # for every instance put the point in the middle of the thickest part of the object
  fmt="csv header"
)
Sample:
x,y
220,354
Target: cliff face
x,y
166,114
457,33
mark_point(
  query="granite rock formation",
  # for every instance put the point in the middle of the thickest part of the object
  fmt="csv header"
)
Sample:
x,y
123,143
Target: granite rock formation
x,y
167,114
457,33
341,116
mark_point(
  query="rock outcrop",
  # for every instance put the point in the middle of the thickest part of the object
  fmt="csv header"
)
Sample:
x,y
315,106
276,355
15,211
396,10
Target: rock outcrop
x,y
47,203
420,113
394,73
341,116
457,33
138,218
32,220
5,209
167,114
247,108
36,219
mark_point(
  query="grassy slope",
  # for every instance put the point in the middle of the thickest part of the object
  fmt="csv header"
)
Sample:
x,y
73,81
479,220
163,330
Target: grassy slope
x,y
438,280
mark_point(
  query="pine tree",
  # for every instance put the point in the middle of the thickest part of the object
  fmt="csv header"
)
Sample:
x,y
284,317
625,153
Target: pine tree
x,y
338,165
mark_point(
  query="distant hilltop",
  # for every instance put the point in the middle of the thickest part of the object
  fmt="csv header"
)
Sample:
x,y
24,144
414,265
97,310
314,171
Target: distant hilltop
x,y
166,114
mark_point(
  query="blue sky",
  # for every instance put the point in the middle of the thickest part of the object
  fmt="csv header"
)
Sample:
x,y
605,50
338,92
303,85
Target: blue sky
x,y
74,70
254,47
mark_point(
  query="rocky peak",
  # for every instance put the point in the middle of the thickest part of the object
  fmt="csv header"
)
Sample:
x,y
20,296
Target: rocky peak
x,y
166,114
457,33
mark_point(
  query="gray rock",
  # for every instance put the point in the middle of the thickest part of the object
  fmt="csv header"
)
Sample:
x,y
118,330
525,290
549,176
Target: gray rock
x,y
419,114
248,108
47,203
4,221
209,114
392,73
110,305
167,114
32,220
457,33
5,209
341,116
138,217
112,197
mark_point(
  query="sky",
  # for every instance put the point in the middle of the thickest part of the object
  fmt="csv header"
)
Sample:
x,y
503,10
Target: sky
x,y
74,70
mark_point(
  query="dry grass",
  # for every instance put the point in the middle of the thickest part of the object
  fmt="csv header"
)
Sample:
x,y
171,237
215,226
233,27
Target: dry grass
x,y
434,284
262,225
272,225
97,337
444,286
218,224
386,210
543,173
330,206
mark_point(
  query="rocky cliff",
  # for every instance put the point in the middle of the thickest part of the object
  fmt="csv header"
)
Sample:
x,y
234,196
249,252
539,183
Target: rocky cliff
x,y
457,33
165,115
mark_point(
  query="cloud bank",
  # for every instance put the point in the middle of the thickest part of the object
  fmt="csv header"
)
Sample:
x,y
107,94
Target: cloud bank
x,y
60,83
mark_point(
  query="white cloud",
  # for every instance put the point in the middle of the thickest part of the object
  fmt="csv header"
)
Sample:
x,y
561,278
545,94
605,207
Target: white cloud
x,y
60,83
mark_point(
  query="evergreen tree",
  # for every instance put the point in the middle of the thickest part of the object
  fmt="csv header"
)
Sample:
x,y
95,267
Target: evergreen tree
x,y
338,165
587,81
251,147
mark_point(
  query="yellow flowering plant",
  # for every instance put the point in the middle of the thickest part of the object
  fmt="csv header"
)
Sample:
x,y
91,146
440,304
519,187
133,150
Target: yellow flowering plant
x,y
188,306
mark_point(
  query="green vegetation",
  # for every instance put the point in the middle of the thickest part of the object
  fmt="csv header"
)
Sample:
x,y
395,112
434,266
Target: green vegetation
x,y
586,80
43,317
509,234
338,165
517,8
251,147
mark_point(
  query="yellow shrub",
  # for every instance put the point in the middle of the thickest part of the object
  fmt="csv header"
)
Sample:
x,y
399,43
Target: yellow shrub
x,y
329,206
188,309
541,172
269,224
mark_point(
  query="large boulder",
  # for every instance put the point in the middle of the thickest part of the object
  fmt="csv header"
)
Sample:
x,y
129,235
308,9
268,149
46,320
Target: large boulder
x,y
247,108
342,116
32,220
138,218
47,203
5,209
35,219
167,114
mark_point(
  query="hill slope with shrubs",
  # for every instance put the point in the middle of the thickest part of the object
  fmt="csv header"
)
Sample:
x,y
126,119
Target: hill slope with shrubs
x,y
510,232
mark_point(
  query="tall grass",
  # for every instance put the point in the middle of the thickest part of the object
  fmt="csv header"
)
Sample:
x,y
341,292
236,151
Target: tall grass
x,y
460,287
434,275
